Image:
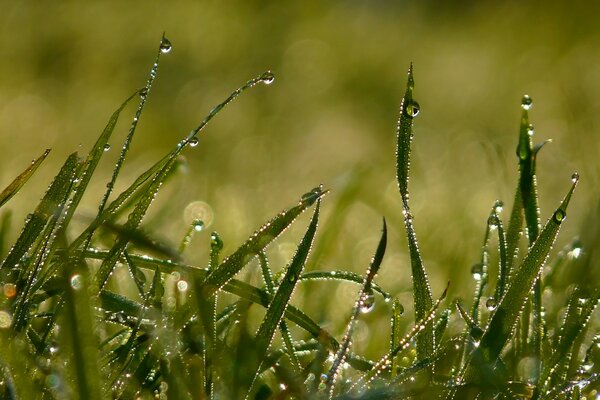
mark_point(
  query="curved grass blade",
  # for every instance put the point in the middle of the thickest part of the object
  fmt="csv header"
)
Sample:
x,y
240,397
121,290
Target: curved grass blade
x,y
342,276
257,243
20,180
281,298
422,292
506,314
364,302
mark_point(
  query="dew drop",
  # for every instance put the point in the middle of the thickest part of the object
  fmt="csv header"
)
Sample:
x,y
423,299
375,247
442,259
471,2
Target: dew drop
x,y
267,78
194,142
182,286
491,304
559,216
400,308
526,102
198,225
144,92
367,301
411,109
106,147
477,271
530,130
165,45
575,177
493,222
498,206
76,282
215,241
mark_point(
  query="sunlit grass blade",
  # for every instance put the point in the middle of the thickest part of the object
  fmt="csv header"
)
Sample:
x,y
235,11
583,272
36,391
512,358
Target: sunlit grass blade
x,y
364,303
281,298
257,243
20,180
53,199
507,313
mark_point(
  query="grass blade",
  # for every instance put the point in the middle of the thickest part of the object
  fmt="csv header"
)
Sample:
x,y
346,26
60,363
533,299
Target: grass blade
x,y
364,303
280,300
20,180
422,292
218,277
506,314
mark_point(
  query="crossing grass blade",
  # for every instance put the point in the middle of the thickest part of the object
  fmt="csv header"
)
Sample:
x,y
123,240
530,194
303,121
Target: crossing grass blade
x,y
423,300
281,298
218,277
342,276
507,313
20,180
54,198
364,300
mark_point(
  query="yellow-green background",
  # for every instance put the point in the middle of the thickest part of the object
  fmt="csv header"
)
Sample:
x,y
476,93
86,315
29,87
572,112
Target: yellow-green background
x,y
330,117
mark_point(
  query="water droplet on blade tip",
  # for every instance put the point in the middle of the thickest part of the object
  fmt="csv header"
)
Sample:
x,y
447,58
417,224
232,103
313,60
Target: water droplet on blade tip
x,y
267,78
165,46
526,102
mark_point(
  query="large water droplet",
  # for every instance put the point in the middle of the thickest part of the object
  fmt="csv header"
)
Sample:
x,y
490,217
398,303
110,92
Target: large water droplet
x,y
106,147
526,102
400,308
309,198
411,109
267,78
144,92
559,216
165,45
76,282
367,301
493,222
498,206
530,130
194,142
477,271
491,304
182,286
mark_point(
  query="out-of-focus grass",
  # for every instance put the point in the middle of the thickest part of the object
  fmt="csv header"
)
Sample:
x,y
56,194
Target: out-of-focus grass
x,y
332,111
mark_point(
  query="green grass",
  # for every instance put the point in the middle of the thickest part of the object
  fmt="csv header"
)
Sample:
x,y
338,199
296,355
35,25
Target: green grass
x,y
132,319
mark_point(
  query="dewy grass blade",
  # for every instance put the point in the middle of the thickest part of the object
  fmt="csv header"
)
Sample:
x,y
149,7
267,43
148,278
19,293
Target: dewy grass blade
x,y
423,299
395,332
257,243
506,314
282,296
133,221
364,303
51,202
20,180
283,327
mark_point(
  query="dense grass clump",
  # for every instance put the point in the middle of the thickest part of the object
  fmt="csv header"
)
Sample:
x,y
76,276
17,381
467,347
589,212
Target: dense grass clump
x,y
80,319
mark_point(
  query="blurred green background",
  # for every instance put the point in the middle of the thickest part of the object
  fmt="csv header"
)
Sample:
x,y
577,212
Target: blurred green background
x,y
330,116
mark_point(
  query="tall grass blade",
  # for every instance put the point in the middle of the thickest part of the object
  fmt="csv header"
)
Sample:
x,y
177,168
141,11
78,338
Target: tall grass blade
x,y
20,180
218,277
281,298
423,299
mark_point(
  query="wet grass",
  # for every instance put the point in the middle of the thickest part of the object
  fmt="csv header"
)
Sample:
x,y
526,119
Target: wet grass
x,y
133,319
